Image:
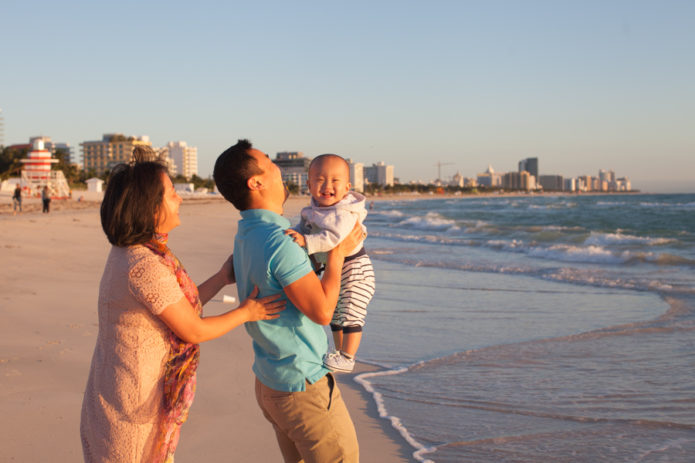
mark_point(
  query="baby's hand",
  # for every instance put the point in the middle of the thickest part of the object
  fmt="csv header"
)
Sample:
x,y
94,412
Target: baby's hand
x,y
297,237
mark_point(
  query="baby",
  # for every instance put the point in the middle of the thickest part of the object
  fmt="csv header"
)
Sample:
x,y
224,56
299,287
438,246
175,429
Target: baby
x,y
332,215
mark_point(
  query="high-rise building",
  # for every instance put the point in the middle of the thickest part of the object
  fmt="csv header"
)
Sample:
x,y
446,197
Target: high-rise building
x,y
583,183
607,180
184,157
552,182
379,174
112,149
623,184
356,175
162,155
529,165
489,178
294,168
519,181
606,175
595,184
570,184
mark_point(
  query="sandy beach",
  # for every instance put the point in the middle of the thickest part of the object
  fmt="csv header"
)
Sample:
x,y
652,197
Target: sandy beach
x,y
51,267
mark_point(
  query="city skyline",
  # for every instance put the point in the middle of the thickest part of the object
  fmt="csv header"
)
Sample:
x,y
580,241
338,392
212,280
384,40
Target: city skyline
x,y
101,155
582,87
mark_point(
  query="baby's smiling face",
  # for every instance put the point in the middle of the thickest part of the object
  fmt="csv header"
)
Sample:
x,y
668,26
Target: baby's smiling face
x,y
329,180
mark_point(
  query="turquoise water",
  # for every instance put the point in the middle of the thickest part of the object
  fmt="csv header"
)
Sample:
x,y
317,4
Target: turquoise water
x,y
536,328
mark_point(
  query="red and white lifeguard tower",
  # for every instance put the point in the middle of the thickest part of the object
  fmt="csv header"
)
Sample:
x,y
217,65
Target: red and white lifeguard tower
x,y
37,172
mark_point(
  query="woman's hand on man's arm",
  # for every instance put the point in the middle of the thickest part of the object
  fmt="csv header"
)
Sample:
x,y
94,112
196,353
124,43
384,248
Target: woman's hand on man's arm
x,y
187,325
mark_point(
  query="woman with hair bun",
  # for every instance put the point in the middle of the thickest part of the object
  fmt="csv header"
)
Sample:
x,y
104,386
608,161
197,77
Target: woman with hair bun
x,y
143,373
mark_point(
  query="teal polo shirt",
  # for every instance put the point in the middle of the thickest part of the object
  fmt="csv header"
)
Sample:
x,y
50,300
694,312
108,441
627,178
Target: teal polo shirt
x,y
288,350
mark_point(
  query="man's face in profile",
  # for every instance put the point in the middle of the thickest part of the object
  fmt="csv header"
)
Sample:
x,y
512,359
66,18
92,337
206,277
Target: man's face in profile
x,y
272,176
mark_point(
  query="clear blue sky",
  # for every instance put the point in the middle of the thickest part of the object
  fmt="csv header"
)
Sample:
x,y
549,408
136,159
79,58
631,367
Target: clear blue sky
x,y
582,85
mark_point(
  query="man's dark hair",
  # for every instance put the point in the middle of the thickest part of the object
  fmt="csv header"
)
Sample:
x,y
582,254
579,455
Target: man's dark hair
x,y
132,201
232,170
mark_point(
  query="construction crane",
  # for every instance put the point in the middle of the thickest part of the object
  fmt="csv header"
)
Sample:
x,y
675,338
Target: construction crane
x,y
439,168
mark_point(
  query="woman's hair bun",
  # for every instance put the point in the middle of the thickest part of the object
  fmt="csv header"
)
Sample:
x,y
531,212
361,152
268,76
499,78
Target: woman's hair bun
x,y
143,153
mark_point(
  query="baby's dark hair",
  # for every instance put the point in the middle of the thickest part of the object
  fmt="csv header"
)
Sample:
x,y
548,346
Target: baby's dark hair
x,y
322,157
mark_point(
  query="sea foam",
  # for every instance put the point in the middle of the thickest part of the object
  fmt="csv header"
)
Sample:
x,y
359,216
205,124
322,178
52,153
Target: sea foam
x,y
620,238
431,221
396,422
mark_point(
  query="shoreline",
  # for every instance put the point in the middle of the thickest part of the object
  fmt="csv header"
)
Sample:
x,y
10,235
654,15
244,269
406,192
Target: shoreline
x,y
375,428
32,205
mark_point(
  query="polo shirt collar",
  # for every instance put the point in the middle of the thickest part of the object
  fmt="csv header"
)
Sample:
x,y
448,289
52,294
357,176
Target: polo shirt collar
x,y
265,215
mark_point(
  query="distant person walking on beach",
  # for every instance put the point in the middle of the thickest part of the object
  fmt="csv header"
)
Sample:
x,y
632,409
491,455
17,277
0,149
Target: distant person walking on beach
x,y
17,200
46,199
333,213
296,393
143,373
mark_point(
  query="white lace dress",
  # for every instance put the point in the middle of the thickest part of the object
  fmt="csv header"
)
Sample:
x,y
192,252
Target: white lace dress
x,y
123,398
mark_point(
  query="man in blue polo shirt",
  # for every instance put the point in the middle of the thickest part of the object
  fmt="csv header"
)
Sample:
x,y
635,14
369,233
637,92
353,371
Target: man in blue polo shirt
x,y
296,393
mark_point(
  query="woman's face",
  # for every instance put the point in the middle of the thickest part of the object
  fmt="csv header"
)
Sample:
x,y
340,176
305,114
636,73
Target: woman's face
x,y
169,210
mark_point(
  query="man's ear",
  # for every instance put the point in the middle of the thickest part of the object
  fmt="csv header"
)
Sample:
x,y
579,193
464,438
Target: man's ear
x,y
255,183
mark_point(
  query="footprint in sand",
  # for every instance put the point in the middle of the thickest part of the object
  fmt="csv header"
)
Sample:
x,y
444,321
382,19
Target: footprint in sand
x,y
50,343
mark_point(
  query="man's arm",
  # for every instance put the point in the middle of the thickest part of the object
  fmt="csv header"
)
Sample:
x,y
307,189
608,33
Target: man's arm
x,y
317,298
224,276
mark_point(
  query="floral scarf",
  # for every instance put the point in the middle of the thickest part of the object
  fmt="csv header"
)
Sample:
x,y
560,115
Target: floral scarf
x,y
181,366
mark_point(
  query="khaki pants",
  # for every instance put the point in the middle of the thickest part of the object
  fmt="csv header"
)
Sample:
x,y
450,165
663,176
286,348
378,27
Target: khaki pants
x,y
312,426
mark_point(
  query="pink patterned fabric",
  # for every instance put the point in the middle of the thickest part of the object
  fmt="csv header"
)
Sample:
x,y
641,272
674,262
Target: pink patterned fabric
x,y
180,371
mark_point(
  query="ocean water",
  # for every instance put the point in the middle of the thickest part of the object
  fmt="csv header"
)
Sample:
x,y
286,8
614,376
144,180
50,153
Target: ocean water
x,y
535,329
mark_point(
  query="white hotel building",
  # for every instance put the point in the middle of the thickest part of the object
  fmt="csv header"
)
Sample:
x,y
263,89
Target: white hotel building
x,y
185,158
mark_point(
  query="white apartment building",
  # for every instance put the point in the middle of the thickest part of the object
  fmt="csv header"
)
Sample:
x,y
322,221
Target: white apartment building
x,y
185,158
356,175
623,184
606,176
489,178
163,156
570,184
379,174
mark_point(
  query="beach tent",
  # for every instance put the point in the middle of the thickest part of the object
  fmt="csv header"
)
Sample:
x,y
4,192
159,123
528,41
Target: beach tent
x,y
95,185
